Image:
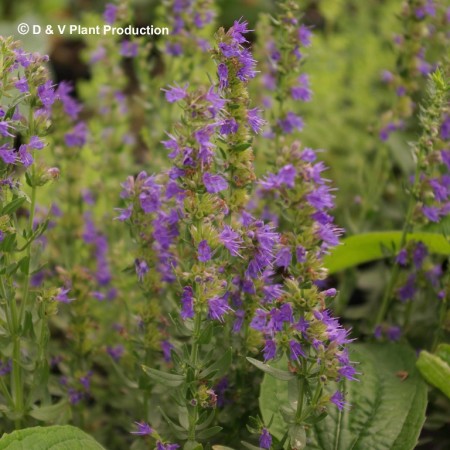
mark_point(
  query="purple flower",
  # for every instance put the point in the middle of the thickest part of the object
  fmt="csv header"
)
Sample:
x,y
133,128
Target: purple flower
x,y
141,268
36,143
265,439
78,136
229,126
115,352
166,446
408,291
130,50
300,253
62,296
8,156
270,349
222,71
22,85
402,257
203,251
46,94
175,93
5,368
338,399
431,213
259,320
150,197
304,35
214,183
4,129
231,240
320,198
143,429
255,120
124,213
166,347
348,371
109,16
295,350
419,254
291,122
394,333
284,257
218,307
187,303
302,91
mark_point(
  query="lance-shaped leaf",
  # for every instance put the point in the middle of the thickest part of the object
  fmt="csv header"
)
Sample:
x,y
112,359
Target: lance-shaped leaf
x,y
279,374
164,378
435,370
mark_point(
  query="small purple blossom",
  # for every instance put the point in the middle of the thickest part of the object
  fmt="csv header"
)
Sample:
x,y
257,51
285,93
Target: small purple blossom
x,y
291,122
130,50
214,183
270,349
255,120
338,399
62,296
218,307
187,303
143,429
231,240
175,93
141,267
203,251
265,439
109,16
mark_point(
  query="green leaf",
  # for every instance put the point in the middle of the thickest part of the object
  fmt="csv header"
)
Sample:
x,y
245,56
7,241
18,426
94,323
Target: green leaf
x,y
219,366
283,375
51,413
164,378
13,206
443,351
221,447
387,411
367,247
209,432
435,370
43,438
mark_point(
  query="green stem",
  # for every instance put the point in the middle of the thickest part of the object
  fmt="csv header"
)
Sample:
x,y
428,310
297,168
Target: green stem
x,y
442,318
28,254
301,393
396,270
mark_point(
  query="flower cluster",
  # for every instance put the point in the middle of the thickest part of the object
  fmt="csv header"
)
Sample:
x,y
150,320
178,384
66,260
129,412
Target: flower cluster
x,y
283,54
421,33
188,19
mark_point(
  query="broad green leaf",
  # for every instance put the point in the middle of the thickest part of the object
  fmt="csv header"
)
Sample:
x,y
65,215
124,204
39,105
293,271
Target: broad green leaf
x,y
367,247
54,437
435,370
387,410
283,375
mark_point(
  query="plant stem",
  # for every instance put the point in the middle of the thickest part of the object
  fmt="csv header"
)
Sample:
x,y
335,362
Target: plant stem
x,y
396,270
301,393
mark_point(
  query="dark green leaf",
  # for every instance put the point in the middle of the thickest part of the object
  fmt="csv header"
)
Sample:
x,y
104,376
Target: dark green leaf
x,y
209,432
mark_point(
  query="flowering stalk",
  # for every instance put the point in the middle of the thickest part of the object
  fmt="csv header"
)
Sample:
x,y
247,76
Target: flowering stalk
x,y
21,136
428,201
